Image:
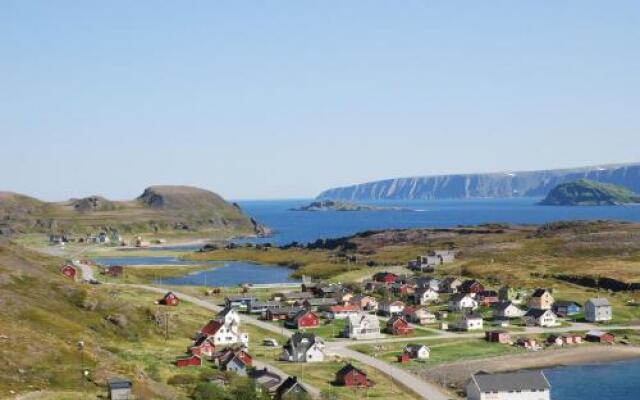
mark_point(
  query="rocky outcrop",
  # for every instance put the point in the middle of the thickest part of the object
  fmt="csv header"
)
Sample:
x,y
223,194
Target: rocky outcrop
x,y
493,185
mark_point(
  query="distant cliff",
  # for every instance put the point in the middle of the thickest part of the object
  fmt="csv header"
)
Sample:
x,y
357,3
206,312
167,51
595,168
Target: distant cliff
x,y
585,192
492,185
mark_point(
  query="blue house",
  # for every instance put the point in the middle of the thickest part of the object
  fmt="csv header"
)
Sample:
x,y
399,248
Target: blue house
x,y
566,308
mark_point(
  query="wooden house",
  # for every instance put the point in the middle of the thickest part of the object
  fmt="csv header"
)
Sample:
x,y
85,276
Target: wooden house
x,y
520,385
541,299
390,308
497,337
69,271
303,347
303,319
169,299
462,302
598,310
387,278
342,312
540,317
362,326
119,389
417,351
190,361
487,297
290,389
566,308
471,286
397,325
351,376
600,337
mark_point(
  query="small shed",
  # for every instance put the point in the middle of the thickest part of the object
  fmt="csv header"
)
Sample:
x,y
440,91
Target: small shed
x,y
189,361
119,388
497,337
404,358
69,271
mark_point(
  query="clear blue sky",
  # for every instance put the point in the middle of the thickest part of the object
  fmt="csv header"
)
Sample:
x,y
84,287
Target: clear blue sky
x,y
276,99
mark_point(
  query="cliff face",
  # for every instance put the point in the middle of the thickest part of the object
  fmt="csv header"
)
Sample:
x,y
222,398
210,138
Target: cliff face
x,y
500,185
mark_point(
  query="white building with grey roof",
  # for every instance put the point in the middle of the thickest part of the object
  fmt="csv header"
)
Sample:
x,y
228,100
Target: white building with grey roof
x,y
598,309
521,385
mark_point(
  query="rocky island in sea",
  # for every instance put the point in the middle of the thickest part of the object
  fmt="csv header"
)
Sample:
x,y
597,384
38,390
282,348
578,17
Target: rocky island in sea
x,y
332,205
585,192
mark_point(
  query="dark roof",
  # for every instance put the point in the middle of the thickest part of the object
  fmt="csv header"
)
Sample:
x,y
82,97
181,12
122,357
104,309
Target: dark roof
x,y
535,312
563,303
118,383
502,305
349,368
300,342
287,385
539,292
511,381
458,296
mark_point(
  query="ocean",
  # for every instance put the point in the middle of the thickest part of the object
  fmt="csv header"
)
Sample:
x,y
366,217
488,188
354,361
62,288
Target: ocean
x,y
305,227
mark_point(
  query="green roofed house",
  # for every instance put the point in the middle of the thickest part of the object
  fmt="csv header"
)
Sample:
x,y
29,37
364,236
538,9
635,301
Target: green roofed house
x,y
521,385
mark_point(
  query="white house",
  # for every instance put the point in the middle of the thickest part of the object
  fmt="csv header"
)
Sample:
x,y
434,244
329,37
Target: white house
x,y
390,307
425,296
225,329
422,316
462,301
417,351
543,318
362,326
597,309
521,385
506,309
470,322
303,347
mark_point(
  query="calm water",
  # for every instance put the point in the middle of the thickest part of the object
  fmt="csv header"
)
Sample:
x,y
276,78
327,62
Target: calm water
x,y
222,273
308,226
612,381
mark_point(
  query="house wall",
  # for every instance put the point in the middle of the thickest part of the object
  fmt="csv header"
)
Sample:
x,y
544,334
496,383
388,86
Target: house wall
x,y
120,394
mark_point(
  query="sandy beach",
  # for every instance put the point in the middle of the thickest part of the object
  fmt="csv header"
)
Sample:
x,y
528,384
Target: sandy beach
x,y
457,373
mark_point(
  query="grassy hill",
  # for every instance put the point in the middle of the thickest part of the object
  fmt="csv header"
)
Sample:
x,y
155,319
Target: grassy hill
x,y
586,192
171,209
44,316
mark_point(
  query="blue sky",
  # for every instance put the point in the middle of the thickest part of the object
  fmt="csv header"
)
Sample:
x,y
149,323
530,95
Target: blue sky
x,y
277,99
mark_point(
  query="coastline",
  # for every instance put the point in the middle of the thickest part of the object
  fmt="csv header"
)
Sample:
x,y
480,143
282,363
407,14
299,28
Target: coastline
x,y
458,372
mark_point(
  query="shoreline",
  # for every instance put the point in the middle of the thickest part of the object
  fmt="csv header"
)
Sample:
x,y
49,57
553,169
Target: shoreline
x,y
456,373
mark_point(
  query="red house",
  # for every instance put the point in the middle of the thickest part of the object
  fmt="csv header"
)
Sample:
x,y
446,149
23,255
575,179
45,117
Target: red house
x,y
385,277
69,271
497,337
397,325
600,337
211,328
471,286
228,353
189,361
487,297
303,319
169,299
202,347
352,377
404,358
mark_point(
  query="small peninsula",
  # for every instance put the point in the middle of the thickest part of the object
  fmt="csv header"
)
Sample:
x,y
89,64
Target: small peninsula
x,y
331,205
585,192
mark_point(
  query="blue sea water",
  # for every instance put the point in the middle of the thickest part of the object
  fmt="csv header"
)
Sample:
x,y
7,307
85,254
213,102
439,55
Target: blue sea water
x,y
610,381
308,226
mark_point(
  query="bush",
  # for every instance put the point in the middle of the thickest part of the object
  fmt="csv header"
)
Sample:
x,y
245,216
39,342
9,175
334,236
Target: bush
x,y
182,379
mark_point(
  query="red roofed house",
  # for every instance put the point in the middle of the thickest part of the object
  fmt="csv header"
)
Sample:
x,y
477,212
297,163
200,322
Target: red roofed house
x,y
202,347
228,353
303,319
169,299
352,377
385,277
69,271
397,325
342,312
225,329
189,361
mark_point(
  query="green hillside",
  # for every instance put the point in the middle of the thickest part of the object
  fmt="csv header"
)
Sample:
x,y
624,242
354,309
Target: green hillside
x,y
171,209
585,192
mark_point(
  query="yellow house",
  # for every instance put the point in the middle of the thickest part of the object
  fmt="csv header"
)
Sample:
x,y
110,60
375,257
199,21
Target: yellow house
x,y
541,299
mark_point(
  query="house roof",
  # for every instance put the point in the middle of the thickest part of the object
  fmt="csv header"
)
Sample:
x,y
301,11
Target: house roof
x,y
329,301
564,303
598,333
599,302
539,292
344,308
348,369
502,305
302,313
535,312
458,297
287,385
300,342
396,318
358,319
211,327
511,381
118,383
414,347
